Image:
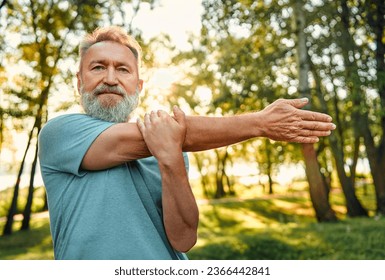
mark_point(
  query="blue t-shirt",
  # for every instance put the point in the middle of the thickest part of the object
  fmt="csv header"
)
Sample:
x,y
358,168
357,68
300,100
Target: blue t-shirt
x,y
110,214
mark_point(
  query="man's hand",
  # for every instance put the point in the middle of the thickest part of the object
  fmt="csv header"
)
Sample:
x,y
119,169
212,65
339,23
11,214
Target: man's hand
x,y
163,134
283,120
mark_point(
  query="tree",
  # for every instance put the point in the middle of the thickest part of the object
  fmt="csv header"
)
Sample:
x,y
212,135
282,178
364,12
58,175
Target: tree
x,y
354,207
318,190
346,46
375,14
45,27
336,140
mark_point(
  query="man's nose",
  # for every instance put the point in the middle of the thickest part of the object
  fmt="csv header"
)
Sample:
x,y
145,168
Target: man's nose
x,y
110,77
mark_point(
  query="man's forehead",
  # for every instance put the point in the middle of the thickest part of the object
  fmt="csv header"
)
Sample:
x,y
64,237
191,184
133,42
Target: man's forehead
x,y
110,49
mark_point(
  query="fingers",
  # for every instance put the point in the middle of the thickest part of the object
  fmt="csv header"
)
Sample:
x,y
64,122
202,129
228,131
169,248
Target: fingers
x,y
152,118
314,133
179,115
314,116
161,113
317,126
141,126
147,119
146,123
304,114
306,140
297,103
309,131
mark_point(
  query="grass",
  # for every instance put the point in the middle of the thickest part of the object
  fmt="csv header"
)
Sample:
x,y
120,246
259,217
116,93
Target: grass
x,y
279,227
263,230
34,244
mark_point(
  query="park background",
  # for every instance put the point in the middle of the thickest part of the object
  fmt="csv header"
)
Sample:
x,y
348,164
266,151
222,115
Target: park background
x,y
260,199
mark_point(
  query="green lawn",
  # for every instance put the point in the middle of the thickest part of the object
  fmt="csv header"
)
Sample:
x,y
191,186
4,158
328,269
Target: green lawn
x,y
34,244
270,229
274,227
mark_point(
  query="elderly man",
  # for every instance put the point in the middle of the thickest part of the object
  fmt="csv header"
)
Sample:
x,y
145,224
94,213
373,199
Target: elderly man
x,y
118,189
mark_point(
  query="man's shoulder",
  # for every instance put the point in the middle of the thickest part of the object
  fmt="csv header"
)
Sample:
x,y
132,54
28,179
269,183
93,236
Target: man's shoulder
x,y
67,134
68,117
72,123
75,119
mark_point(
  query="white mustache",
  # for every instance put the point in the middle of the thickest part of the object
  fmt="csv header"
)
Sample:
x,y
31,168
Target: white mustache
x,y
112,89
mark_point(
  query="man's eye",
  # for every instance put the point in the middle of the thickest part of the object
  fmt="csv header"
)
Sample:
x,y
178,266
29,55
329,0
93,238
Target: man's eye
x,y
98,67
123,70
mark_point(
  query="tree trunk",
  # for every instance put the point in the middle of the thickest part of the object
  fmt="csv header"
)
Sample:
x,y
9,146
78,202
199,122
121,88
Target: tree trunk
x,y
269,165
28,206
376,163
353,205
38,125
13,207
45,204
204,179
375,154
220,190
318,191
379,27
229,180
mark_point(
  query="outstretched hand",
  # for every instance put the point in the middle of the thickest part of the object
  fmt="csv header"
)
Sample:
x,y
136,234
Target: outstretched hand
x,y
285,121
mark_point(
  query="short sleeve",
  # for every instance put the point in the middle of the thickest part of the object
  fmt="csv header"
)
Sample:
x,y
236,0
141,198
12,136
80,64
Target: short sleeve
x,y
64,141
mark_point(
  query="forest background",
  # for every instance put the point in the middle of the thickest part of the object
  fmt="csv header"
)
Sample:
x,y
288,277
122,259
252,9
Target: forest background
x,y
272,198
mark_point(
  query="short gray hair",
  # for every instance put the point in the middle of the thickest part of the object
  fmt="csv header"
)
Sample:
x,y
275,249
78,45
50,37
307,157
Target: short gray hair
x,y
114,34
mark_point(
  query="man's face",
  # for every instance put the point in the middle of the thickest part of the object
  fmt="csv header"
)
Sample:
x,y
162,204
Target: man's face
x,y
108,78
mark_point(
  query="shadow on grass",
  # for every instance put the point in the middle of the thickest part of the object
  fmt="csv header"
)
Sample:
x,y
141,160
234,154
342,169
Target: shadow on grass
x,y
263,230
266,212
351,240
35,244
244,247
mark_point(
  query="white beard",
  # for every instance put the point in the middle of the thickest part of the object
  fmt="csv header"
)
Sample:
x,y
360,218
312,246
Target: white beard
x,y
117,113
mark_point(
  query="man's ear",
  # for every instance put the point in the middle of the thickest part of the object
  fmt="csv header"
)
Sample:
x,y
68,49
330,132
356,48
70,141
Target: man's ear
x,y
140,85
79,83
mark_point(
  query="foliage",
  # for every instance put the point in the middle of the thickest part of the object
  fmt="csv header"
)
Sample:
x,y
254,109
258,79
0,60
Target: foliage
x,y
245,57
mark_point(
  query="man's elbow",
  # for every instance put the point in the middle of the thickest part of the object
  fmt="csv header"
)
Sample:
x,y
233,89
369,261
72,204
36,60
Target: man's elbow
x,y
185,243
91,162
